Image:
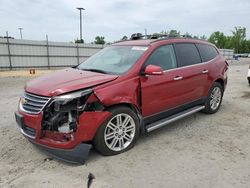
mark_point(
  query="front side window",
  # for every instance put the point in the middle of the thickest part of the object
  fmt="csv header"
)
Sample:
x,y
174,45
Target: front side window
x,y
207,52
187,54
113,59
164,57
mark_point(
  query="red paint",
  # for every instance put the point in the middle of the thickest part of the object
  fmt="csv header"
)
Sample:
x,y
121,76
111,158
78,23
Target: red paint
x,y
66,80
149,94
153,70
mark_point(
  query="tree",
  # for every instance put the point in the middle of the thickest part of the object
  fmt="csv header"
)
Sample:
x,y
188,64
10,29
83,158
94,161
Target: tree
x,y
99,40
156,35
203,37
136,36
124,37
218,38
187,35
174,33
79,41
239,35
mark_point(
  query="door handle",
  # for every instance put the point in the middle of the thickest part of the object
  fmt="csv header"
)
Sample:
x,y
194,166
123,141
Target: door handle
x,y
204,71
178,78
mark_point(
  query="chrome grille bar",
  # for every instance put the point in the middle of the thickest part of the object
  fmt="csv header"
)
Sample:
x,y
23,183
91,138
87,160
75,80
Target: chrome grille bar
x,y
33,104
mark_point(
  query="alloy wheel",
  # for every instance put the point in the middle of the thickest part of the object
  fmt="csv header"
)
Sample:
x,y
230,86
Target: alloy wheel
x,y
215,98
119,132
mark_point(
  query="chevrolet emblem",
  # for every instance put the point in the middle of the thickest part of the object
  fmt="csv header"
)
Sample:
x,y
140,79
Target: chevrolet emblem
x,y
23,101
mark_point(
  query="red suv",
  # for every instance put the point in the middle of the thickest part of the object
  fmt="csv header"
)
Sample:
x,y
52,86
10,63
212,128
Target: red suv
x,y
128,88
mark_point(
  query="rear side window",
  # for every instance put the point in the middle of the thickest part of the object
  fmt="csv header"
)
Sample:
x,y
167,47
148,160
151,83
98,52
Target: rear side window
x,y
207,52
164,57
187,54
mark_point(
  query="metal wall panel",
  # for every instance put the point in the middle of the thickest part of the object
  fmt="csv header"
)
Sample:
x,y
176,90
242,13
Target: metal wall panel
x,y
88,51
3,49
227,53
29,53
27,50
29,62
4,61
62,51
63,61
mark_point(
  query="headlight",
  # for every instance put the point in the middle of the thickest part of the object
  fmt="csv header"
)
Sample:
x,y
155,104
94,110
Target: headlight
x,y
78,98
73,95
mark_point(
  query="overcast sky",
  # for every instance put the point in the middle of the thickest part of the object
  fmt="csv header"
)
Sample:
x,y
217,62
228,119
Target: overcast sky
x,y
114,19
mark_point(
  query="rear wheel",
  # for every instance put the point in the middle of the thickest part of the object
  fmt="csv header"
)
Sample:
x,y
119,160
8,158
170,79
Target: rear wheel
x,y
214,99
119,133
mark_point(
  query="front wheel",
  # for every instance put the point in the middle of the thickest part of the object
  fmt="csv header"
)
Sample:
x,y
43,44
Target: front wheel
x,y
214,99
119,133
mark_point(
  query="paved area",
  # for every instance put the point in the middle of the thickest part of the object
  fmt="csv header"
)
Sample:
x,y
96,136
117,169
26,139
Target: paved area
x,y
197,151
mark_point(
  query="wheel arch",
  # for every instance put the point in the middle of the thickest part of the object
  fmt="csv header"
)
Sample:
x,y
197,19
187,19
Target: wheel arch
x,y
128,105
134,108
221,82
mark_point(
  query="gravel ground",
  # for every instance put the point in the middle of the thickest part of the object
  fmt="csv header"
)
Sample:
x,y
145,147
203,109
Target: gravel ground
x,y
198,151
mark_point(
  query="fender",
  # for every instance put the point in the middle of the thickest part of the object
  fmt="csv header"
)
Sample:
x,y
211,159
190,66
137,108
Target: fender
x,y
113,94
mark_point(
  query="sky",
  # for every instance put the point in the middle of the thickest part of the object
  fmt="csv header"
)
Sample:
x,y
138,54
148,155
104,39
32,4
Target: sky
x,y
114,19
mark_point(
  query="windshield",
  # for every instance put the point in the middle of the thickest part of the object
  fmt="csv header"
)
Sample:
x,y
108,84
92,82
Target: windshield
x,y
113,59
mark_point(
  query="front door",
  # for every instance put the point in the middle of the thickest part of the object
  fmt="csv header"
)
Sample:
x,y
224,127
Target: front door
x,y
162,92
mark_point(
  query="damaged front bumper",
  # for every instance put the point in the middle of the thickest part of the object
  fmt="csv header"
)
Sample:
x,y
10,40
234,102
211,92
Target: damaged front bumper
x,y
77,154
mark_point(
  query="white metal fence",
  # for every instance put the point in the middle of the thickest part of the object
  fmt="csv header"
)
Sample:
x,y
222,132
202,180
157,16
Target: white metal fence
x,y
15,53
227,53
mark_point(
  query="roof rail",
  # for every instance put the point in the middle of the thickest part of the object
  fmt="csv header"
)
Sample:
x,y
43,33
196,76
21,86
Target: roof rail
x,y
158,37
138,36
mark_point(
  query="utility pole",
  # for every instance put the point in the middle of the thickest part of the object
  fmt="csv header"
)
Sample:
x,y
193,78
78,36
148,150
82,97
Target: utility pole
x,y
80,8
21,34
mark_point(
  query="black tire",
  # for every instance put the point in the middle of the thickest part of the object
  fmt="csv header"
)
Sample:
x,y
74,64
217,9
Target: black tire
x,y
208,107
101,144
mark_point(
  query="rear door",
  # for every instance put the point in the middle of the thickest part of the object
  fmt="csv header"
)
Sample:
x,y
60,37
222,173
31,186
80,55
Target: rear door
x,y
208,55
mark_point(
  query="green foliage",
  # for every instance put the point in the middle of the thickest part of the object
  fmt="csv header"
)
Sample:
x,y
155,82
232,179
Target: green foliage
x,y
79,41
239,35
99,40
203,37
218,38
124,37
156,35
237,41
174,33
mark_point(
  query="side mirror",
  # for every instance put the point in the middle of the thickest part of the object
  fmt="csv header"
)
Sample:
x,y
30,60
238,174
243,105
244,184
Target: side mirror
x,y
153,70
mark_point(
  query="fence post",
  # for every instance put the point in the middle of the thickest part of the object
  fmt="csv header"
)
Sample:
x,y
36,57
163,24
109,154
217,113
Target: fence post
x,y
8,45
47,46
77,52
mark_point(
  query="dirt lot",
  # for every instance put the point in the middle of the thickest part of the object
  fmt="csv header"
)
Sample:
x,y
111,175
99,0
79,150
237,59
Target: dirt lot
x,y
198,151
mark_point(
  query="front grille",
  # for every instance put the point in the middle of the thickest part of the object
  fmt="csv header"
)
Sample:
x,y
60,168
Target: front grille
x,y
33,104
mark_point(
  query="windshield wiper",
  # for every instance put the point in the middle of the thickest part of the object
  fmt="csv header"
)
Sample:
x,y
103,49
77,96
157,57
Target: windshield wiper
x,y
95,70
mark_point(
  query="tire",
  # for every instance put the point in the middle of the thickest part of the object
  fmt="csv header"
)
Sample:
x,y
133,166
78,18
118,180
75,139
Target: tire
x,y
118,133
214,98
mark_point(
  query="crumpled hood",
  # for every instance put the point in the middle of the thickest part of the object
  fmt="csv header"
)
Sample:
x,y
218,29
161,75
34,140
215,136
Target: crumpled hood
x,y
66,80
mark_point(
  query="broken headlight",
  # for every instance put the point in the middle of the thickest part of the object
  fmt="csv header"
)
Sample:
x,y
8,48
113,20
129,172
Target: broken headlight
x,y
74,101
63,112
